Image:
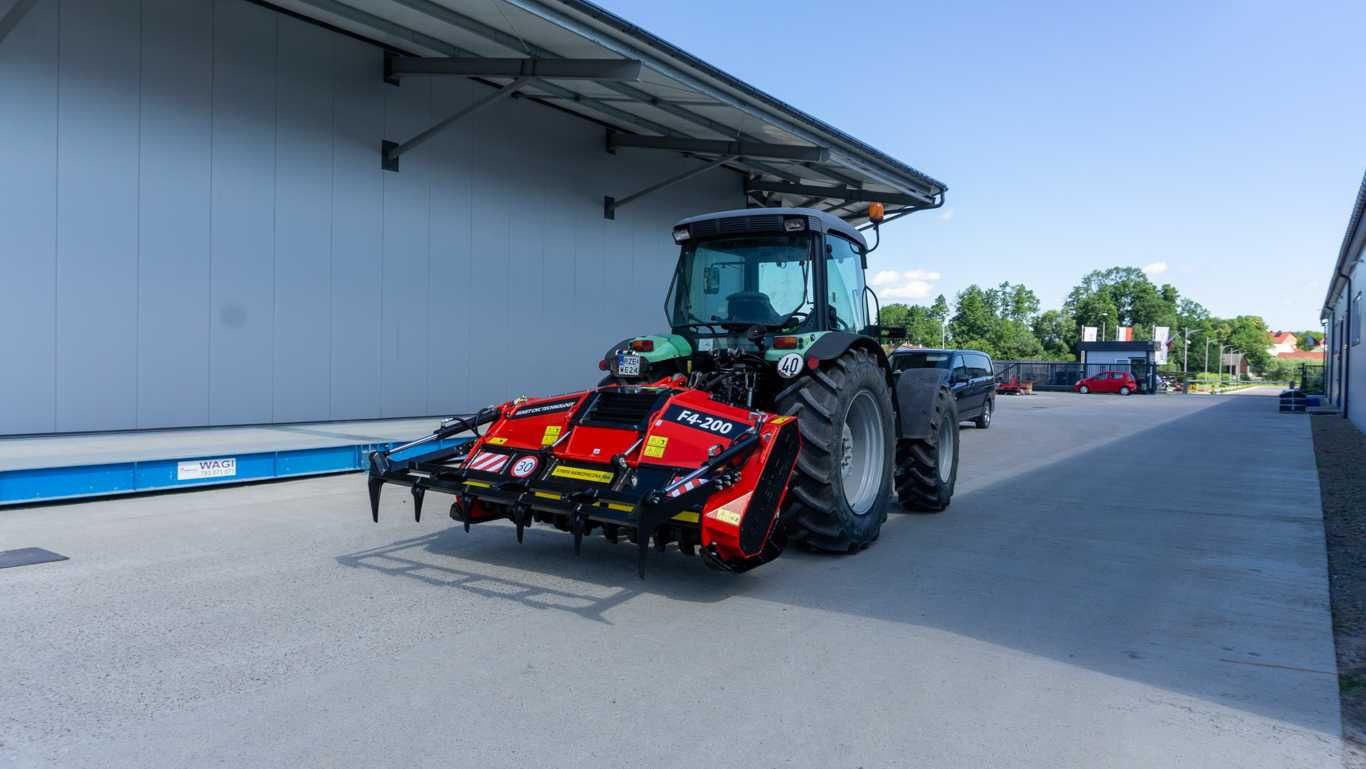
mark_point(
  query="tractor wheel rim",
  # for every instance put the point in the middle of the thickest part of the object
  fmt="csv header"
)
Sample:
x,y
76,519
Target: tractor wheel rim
x,y
862,453
945,452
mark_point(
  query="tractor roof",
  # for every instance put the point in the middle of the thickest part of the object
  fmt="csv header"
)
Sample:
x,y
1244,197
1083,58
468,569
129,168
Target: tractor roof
x,y
819,220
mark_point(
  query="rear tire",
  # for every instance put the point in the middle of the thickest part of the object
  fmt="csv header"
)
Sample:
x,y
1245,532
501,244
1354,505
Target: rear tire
x,y
844,414
923,481
1083,389
1124,390
983,422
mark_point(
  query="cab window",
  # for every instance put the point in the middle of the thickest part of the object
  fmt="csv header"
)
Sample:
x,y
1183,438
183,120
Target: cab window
x,y
844,283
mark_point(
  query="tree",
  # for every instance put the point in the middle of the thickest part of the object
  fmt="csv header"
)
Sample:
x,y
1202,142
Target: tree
x,y
1056,334
997,321
922,327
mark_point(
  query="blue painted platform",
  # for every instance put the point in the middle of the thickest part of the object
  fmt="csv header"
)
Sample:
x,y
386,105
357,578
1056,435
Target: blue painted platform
x,y
45,468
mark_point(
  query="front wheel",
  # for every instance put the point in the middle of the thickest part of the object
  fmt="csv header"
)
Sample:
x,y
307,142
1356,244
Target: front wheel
x,y
1124,391
1083,389
837,500
927,469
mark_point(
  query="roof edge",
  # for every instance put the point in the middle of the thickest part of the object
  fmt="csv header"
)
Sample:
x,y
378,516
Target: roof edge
x,y
1356,233
670,57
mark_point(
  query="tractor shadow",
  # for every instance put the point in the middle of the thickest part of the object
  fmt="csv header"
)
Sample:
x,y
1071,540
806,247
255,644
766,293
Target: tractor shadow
x,y
543,572
1149,554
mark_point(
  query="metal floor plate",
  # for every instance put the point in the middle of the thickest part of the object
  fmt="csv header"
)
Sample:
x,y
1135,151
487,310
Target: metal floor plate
x,y
27,556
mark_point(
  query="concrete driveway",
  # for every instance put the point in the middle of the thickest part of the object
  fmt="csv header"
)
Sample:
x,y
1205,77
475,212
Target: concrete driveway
x,y
1119,582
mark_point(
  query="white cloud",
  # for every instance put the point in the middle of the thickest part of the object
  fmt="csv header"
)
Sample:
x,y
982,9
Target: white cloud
x,y
1156,268
911,284
946,215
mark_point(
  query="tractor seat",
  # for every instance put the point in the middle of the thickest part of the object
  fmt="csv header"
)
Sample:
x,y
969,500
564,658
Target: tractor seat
x,y
752,307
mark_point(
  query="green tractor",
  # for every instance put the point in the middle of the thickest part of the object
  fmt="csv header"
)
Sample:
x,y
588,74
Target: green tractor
x,y
769,311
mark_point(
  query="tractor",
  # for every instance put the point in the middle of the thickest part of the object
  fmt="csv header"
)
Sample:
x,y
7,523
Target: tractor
x,y
768,414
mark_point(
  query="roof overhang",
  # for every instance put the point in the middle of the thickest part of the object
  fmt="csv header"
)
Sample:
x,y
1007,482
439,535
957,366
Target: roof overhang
x,y
1353,244
677,103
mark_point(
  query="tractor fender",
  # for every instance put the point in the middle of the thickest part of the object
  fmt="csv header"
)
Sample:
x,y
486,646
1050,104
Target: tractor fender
x,y
914,396
833,344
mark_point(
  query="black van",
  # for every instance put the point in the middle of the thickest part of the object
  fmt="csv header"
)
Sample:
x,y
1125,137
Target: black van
x,y
972,377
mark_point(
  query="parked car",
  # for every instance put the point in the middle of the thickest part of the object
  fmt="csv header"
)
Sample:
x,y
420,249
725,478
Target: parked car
x,y
973,379
1121,382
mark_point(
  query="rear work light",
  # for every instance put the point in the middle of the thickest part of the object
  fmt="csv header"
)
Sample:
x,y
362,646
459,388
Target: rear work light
x,y
786,342
794,224
643,345
681,234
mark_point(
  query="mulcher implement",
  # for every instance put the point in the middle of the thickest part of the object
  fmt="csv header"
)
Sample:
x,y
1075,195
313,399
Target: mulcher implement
x,y
768,414
656,464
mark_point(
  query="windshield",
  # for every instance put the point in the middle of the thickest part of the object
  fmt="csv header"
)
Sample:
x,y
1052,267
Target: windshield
x,y
904,360
749,280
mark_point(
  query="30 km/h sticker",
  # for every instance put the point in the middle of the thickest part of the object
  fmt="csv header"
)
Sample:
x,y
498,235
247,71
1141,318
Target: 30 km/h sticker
x,y
525,466
790,365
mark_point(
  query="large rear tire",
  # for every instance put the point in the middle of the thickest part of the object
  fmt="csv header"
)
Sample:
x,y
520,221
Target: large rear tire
x,y
927,469
837,500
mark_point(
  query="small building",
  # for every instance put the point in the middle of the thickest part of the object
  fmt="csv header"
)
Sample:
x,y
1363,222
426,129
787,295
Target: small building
x,y
1138,358
1282,341
1234,362
1345,374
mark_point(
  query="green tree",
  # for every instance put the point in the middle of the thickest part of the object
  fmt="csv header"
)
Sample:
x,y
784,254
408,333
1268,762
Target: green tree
x,y
1056,334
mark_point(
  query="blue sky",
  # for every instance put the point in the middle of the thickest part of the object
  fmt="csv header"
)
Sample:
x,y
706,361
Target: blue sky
x,y
1219,144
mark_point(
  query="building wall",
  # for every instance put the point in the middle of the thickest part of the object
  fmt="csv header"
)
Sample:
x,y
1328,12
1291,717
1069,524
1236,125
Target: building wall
x,y
197,230
1346,372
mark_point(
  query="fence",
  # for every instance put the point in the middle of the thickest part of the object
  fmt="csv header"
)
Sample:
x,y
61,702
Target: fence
x,y
1061,375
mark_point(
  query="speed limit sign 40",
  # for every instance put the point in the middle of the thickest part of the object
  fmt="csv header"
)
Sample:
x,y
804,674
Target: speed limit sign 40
x,y
790,365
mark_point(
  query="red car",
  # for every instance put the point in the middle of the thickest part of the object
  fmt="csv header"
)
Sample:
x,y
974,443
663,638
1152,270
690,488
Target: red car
x,y
1121,382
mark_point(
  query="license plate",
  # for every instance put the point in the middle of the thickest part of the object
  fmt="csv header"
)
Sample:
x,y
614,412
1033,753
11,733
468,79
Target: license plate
x,y
628,365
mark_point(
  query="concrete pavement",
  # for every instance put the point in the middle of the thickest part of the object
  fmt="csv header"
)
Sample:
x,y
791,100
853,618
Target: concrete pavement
x,y
1120,582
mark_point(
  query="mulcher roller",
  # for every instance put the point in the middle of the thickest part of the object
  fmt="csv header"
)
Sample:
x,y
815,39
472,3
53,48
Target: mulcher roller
x,y
656,464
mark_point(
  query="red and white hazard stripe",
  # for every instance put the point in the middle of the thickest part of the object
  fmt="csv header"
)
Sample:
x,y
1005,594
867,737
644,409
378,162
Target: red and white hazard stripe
x,y
488,462
684,488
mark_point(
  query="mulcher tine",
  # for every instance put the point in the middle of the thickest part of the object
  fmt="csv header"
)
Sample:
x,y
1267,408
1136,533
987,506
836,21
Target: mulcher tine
x,y
577,526
418,494
374,485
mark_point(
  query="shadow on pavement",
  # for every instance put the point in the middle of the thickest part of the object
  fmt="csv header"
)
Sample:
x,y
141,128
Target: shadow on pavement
x,y
1186,556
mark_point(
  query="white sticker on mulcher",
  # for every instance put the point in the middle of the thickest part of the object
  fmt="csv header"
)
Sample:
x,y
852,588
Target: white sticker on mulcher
x,y
790,365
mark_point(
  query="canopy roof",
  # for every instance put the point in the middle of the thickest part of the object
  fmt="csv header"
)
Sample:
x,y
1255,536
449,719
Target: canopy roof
x,y
674,102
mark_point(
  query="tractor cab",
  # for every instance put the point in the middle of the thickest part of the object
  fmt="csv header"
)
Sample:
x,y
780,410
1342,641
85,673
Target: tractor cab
x,y
789,271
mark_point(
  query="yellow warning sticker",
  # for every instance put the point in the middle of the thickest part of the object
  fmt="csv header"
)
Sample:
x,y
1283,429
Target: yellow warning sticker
x,y
780,420
548,495
480,484
655,446
618,506
551,434
726,515
582,474
497,441
686,517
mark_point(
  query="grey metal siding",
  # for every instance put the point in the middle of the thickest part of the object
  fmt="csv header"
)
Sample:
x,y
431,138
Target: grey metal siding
x,y
197,230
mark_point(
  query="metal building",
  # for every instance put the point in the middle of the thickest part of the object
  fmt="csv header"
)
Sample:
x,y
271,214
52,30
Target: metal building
x,y
220,212
1345,377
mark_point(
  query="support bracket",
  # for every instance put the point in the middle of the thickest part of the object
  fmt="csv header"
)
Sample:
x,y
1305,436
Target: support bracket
x,y
391,151
611,204
14,15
